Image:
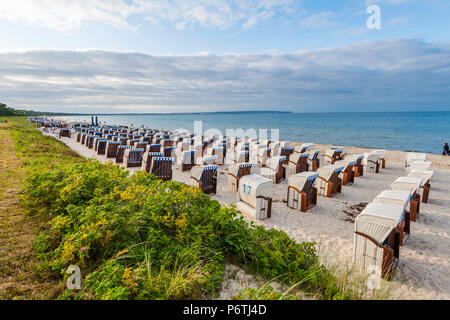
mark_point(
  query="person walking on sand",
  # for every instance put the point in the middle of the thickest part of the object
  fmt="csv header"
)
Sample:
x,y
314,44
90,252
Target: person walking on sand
x,y
446,149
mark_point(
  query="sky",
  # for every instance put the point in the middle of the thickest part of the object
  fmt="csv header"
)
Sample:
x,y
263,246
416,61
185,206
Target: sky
x,y
113,56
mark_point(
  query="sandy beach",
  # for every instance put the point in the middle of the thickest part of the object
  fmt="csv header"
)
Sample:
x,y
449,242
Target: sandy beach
x,y
424,266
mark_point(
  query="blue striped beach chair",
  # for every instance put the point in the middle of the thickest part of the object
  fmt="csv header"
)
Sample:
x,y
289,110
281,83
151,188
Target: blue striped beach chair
x,y
133,157
188,160
329,183
147,159
90,141
162,168
286,152
97,143
121,152
169,152
154,148
205,177
301,193
236,172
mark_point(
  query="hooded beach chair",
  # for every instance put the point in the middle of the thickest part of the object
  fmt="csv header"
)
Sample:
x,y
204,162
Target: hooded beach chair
x,y
147,159
133,157
121,152
154,148
371,162
347,174
403,198
90,141
65,133
141,145
254,196
218,152
101,146
111,148
187,160
161,168
208,160
328,183
286,152
382,154
301,193
123,141
305,147
242,157
376,246
412,157
275,169
205,177
358,168
298,163
426,176
413,185
419,166
313,160
332,155
263,155
236,172
79,134
169,152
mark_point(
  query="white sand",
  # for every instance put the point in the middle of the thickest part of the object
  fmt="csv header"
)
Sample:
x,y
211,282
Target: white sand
x,y
424,266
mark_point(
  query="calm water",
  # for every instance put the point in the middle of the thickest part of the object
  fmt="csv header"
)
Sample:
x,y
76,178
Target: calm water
x,y
419,131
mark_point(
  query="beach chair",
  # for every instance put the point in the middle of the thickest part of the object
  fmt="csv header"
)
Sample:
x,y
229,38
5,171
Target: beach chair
x,y
101,146
83,138
167,143
141,145
90,141
347,175
242,157
111,148
382,154
328,183
286,152
333,155
79,134
188,160
298,163
304,147
147,159
412,157
219,153
371,162
236,172
169,152
133,157
426,176
263,155
403,198
413,185
377,239
301,193
154,148
121,152
313,160
205,177
342,149
208,160
161,167
275,169
64,133
419,166
123,141
254,196
358,168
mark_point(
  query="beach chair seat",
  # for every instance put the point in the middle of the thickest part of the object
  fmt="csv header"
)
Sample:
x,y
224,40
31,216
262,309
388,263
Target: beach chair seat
x,y
133,157
161,168
254,196
347,175
371,162
382,154
236,172
413,185
205,177
120,153
64,133
314,160
301,193
328,183
332,155
298,163
147,159
111,148
275,169
377,239
403,198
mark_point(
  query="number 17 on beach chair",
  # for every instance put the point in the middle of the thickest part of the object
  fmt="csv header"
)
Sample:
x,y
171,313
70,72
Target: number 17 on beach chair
x,y
254,196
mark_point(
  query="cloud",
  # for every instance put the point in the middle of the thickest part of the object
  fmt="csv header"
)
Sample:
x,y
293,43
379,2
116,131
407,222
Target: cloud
x,y
319,20
65,15
368,76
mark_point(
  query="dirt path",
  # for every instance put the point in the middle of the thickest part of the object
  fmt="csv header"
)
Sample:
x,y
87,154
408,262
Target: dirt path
x,y
19,277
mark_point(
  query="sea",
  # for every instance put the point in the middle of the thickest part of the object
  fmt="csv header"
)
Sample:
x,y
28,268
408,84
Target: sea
x,y
405,131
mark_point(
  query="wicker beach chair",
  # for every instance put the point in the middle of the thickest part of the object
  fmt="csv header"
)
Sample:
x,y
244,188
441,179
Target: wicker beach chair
x,y
90,141
218,152
236,172
377,239
121,152
162,168
254,196
420,166
358,168
275,169
347,174
371,162
101,146
111,148
286,152
263,155
64,133
333,155
187,160
301,193
205,177
426,176
147,159
298,163
314,160
413,185
328,183
154,147
133,157
382,154
412,157
305,147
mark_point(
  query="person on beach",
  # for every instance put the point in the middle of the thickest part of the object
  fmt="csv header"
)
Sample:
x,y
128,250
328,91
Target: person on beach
x,y
446,150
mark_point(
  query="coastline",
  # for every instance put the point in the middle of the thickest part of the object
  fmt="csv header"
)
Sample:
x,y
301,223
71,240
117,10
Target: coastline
x,y
424,266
